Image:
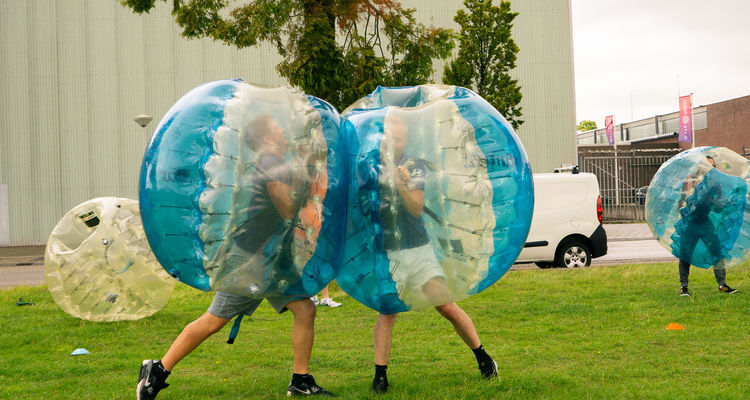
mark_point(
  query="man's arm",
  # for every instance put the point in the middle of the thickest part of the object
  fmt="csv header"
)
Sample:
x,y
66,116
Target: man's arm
x,y
281,196
413,198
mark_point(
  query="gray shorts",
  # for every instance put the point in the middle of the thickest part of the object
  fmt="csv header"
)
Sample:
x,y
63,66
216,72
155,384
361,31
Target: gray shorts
x,y
227,305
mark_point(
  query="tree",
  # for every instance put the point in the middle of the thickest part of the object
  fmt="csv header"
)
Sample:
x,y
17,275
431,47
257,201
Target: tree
x,y
338,50
486,55
586,125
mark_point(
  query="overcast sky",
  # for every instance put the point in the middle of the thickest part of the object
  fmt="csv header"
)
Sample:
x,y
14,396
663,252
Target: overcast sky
x,y
642,46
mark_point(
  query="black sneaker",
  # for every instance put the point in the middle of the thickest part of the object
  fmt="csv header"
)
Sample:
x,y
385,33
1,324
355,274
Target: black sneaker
x,y
726,289
488,369
149,383
380,384
307,388
685,292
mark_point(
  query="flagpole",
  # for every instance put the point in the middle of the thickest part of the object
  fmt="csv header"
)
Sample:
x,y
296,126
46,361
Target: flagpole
x,y
617,173
692,121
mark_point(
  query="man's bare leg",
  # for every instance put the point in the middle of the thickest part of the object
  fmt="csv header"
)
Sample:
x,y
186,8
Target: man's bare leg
x,y
382,337
303,333
191,337
465,328
462,323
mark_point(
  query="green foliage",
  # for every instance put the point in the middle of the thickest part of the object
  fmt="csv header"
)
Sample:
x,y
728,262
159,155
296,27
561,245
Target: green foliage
x,y
585,333
380,42
486,55
586,125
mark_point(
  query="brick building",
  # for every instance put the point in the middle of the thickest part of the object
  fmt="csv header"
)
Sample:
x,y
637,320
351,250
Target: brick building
x,y
724,124
642,146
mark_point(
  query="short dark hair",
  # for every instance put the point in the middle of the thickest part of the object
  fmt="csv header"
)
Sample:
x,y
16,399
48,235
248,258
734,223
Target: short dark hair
x,y
256,130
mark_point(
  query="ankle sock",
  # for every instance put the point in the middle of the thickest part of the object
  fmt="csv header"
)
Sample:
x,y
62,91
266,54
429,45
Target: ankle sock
x,y
381,371
300,378
160,371
480,354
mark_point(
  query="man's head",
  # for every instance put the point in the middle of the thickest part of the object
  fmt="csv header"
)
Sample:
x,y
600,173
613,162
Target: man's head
x,y
264,135
711,160
395,135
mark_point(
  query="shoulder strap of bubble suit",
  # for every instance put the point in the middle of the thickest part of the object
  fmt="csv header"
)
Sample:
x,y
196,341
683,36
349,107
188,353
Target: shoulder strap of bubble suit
x,y
235,329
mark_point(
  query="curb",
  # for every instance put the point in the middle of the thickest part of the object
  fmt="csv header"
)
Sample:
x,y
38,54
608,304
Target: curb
x,y
627,239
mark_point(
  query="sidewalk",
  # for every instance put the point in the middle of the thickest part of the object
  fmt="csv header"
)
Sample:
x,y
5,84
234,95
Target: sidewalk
x,y
21,256
25,265
626,232
632,244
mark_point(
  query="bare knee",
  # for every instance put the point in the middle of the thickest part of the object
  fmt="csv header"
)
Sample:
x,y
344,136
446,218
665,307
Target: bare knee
x,y
302,309
207,324
387,319
451,311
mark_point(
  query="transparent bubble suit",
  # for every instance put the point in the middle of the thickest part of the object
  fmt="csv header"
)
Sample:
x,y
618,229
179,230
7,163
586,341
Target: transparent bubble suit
x,y
698,207
99,267
440,197
239,187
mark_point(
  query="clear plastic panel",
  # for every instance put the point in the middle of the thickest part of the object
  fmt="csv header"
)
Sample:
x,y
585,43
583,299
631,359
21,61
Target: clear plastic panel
x,y
98,264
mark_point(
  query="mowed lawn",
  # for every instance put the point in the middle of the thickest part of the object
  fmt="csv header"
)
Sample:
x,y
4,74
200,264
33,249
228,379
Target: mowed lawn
x,y
563,334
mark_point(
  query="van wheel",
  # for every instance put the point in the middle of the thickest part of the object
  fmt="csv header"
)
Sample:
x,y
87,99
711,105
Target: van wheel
x,y
573,254
543,264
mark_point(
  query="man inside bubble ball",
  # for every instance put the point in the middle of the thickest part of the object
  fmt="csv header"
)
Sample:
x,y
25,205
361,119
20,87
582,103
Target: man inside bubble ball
x,y
695,217
272,204
412,260
259,252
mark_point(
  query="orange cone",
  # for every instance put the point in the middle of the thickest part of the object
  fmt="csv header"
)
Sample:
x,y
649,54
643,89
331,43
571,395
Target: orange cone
x,y
674,326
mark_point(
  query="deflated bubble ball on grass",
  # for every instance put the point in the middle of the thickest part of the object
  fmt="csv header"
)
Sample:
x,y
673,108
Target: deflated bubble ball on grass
x,y
98,264
239,190
698,207
440,197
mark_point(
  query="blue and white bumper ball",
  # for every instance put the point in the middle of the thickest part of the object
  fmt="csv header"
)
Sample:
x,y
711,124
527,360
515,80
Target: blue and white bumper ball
x,y
698,207
440,197
240,189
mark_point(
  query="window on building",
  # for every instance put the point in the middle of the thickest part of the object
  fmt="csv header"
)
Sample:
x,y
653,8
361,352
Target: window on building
x,y
585,139
700,121
640,132
670,125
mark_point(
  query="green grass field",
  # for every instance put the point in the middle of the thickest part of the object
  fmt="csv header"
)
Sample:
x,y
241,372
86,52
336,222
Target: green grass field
x,y
562,334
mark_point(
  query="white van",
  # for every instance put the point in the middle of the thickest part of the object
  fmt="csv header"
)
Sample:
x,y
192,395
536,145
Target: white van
x,y
566,228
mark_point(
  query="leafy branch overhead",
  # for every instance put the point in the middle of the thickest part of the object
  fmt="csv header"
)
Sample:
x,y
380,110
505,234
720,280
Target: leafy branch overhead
x,y
339,50
486,55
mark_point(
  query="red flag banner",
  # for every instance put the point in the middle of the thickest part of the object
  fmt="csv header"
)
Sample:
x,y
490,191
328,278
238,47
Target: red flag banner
x,y
686,120
609,123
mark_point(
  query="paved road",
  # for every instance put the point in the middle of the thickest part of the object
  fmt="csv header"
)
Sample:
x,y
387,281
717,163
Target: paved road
x,y
632,244
21,266
627,244
634,252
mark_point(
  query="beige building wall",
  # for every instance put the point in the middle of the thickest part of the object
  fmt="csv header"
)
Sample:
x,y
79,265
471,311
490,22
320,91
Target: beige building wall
x,y
543,32
74,73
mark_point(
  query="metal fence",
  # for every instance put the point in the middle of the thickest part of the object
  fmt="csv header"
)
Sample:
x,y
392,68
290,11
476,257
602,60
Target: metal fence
x,y
623,176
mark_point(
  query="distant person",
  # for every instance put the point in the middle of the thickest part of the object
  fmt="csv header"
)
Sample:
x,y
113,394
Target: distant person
x,y
700,228
272,205
325,299
412,260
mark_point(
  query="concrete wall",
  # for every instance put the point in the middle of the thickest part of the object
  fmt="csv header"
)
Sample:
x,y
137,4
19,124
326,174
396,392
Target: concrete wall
x,y
544,70
74,73
4,226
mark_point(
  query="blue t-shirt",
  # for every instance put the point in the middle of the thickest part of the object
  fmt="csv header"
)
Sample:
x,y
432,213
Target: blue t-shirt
x,y
263,219
705,197
411,230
